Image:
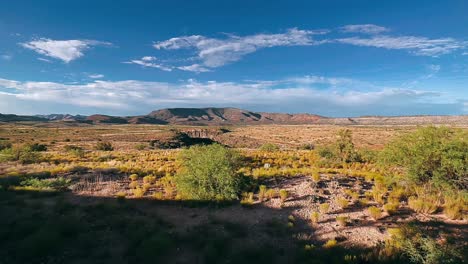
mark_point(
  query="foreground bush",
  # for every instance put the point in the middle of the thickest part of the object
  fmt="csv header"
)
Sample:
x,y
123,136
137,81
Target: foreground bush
x,y
208,173
55,184
421,248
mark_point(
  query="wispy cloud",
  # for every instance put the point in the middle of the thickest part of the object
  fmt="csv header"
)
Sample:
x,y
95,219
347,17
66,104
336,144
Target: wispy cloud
x,y
364,28
44,60
96,76
431,71
216,52
416,45
6,57
65,50
194,68
149,61
122,97
210,53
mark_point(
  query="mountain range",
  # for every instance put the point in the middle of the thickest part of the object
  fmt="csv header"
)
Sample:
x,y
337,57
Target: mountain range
x,y
232,116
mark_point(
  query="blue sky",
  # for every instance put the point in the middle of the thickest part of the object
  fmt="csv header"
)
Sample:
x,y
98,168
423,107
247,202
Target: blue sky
x,y
334,58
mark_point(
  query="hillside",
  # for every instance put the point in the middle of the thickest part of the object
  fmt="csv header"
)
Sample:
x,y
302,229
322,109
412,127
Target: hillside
x,y
20,118
229,116
236,116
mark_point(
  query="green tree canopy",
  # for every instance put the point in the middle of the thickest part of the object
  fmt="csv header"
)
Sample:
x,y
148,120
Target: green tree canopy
x,y
431,155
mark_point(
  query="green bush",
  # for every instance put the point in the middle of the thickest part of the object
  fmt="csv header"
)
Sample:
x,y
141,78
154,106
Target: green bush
x,y
36,147
307,146
342,150
344,147
4,144
69,148
432,155
104,146
22,154
75,150
269,147
140,146
208,173
420,248
56,184
325,152
368,155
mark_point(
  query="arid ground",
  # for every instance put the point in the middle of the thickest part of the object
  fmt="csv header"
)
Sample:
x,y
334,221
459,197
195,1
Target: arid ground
x,y
266,228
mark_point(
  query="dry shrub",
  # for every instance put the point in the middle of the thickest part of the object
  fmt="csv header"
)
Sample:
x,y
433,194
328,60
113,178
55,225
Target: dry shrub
x,y
271,193
149,179
342,202
397,194
352,194
324,208
316,176
375,212
391,207
133,184
363,201
378,196
247,199
455,207
283,196
138,192
146,186
315,217
158,196
330,243
262,193
342,220
133,177
424,205
169,192
120,196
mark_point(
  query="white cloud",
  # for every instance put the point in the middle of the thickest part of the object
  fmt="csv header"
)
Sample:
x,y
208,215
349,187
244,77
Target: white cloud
x,y
194,68
6,57
44,60
364,28
148,58
212,52
65,50
417,45
149,61
96,76
434,68
311,79
122,97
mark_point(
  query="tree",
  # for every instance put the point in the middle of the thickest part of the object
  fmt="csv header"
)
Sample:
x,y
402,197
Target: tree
x,y
344,146
208,173
431,155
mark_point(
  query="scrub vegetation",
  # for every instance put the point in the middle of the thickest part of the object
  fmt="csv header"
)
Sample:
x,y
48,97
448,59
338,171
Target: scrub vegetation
x,y
109,194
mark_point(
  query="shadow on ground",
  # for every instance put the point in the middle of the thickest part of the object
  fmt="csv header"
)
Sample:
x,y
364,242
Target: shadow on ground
x,y
60,227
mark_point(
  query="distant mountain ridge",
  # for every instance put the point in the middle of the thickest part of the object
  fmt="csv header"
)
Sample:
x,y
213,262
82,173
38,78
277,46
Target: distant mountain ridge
x,y
229,116
233,116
